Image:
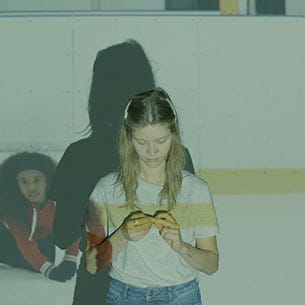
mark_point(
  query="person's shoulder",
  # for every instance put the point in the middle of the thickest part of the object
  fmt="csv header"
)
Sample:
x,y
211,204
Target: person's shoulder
x,y
77,149
194,186
104,185
85,151
195,181
80,144
107,181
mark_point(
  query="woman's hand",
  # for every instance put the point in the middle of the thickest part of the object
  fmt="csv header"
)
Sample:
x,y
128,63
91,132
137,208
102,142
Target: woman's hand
x,y
91,252
169,230
98,252
91,261
136,225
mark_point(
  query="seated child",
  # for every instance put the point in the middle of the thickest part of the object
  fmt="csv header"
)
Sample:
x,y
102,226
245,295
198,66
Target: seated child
x,y
26,217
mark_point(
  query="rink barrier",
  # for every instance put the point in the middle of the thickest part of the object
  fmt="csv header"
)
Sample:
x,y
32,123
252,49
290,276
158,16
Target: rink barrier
x,y
254,181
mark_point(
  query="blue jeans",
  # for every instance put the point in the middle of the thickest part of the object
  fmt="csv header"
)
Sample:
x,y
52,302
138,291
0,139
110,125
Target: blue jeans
x,y
123,294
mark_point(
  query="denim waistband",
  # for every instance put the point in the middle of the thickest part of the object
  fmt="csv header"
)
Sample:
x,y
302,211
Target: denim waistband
x,y
153,293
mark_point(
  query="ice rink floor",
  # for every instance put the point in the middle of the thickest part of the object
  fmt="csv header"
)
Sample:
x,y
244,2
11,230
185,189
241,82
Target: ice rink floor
x,y
22,287
261,247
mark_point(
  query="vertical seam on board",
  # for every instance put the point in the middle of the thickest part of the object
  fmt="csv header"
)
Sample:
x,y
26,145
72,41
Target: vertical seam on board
x,y
73,78
198,92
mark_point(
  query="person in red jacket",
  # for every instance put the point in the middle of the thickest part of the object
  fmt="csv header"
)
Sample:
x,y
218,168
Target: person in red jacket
x,y
26,217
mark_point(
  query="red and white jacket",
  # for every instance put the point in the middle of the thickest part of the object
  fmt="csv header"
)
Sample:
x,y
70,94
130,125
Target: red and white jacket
x,y
41,220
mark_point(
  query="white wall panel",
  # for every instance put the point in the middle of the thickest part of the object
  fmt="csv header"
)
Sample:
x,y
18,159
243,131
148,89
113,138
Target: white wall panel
x,y
252,92
35,84
238,82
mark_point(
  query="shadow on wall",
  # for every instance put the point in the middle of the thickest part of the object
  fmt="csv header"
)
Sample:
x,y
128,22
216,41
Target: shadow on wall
x,y
119,72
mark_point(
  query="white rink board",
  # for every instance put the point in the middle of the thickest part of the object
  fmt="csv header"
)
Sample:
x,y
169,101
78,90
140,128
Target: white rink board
x,y
237,82
36,84
253,81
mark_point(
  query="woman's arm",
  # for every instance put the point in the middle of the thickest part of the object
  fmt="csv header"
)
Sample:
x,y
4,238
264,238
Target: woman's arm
x,y
101,253
204,257
29,249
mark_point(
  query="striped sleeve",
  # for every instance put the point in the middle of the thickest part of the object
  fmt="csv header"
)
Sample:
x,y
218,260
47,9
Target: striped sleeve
x,y
205,219
29,249
196,210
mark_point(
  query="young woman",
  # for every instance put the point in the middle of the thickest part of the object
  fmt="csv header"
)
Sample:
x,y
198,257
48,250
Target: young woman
x,y
26,217
119,72
161,218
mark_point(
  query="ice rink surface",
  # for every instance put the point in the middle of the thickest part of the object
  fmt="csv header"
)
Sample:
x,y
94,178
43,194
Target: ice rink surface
x,y
261,247
22,287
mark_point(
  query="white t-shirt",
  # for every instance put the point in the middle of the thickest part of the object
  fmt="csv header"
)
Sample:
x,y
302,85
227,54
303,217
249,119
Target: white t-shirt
x,y
150,261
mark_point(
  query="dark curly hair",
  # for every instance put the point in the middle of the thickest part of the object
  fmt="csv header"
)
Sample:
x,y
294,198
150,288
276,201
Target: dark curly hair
x,y
13,205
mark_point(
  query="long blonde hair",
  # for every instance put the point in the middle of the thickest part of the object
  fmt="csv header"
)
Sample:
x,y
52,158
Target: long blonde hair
x,y
148,108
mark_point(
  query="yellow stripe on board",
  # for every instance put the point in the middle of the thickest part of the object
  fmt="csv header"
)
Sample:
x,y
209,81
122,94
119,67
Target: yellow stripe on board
x,y
228,7
254,181
201,214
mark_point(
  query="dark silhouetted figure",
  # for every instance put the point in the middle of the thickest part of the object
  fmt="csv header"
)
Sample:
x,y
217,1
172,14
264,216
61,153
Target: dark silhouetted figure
x,y
120,71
